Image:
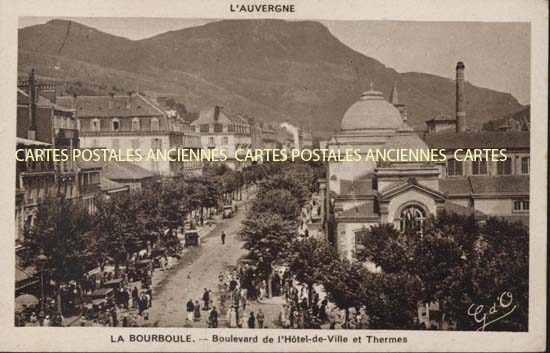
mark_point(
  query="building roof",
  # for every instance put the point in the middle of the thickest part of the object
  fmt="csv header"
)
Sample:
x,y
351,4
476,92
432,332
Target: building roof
x,y
114,170
111,186
111,106
372,111
28,142
126,171
503,184
405,138
455,186
238,119
365,210
485,185
403,186
442,118
479,139
23,98
452,207
208,117
356,187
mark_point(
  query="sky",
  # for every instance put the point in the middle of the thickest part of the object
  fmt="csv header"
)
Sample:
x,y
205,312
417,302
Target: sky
x,y
496,55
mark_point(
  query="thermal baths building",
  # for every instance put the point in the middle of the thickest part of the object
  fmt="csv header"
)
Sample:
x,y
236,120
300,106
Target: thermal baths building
x,y
366,193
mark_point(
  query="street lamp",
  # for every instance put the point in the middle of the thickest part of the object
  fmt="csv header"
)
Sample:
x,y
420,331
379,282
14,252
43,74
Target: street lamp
x,y
41,259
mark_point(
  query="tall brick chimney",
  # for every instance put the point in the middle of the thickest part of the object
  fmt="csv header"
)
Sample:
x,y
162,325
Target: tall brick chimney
x,y
460,106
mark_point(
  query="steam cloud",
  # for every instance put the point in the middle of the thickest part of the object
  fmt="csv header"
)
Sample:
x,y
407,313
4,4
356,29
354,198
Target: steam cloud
x,y
294,131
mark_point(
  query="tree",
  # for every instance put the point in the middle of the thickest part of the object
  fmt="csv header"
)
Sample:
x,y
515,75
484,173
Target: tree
x,y
309,260
173,206
268,238
391,300
459,263
150,209
60,232
119,229
287,182
346,283
279,201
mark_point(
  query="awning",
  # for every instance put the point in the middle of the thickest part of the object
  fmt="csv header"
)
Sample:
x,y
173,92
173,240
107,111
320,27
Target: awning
x,y
26,300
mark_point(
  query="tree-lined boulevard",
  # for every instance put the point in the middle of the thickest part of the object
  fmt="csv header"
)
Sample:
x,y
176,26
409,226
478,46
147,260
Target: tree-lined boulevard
x,y
265,270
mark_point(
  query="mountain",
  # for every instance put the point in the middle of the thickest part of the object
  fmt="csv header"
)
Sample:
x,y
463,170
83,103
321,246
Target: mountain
x,y
271,69
521,117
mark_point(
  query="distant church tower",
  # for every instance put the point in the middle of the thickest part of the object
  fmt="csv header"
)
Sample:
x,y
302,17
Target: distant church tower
x,y
394,99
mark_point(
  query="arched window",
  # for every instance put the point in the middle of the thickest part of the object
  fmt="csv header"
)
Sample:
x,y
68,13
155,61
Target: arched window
x,y
411,219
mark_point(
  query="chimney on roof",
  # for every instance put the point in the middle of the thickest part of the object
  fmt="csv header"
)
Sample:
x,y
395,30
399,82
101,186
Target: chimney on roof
x,y
31,132
217,110
75,99
460,108
129,100
111,100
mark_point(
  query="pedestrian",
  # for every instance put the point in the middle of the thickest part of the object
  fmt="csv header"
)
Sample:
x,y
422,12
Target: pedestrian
x,y
232,317
190,310
260,317
135,297
149,295
223,237
142,303
263,291
303,304
197,311
206,299
115,315
46,321
126,298
251,320
213,317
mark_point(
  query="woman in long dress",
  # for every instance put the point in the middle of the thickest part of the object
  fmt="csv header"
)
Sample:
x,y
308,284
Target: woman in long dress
x,y
233,318
197,316
190,310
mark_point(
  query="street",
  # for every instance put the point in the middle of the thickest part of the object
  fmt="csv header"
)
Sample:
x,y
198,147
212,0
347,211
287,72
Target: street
x,y
198,269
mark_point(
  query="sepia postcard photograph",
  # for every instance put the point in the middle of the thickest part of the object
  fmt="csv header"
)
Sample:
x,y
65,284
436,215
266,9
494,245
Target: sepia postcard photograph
x,y
274,176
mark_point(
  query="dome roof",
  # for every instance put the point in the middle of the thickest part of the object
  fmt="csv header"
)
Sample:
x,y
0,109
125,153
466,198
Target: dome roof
x,y
372,111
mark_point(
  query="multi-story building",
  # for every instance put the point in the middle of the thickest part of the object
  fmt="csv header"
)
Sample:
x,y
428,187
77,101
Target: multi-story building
x,y
358,195
42,123
220,131
133,122
269,138
440,123
306,139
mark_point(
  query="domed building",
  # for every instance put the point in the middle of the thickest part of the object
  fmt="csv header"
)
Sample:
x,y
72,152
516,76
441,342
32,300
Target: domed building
x,y
371,112
368,192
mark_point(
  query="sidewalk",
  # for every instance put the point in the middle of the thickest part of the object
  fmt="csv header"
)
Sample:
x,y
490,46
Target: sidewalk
x,y
212,227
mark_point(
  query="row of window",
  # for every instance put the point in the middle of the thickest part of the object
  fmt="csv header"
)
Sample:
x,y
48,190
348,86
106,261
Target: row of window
x,y
219,128
455,167
211,142
412,218
521,205
115,125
